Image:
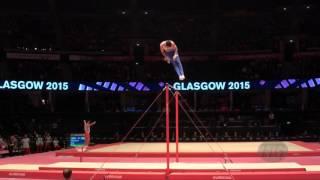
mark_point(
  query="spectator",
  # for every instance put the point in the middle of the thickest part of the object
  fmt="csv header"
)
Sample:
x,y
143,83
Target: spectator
x,y
39,143
25,141
13,145
3,144
56,145
48,142
194,136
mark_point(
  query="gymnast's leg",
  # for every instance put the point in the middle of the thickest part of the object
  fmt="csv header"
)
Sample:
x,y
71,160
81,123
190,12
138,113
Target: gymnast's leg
x,y
178,67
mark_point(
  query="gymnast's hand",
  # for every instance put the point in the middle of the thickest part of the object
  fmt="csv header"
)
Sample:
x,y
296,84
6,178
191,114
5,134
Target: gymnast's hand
x,y
166,59
175,57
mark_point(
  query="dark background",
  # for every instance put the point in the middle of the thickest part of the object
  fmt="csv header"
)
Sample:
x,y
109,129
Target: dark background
x,y
217,40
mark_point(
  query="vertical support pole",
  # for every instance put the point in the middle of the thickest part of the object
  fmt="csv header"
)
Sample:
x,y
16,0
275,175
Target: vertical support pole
x,y
177,125
81,154
230,101
195,101
87,102
267,99
304,99
167,130
50,100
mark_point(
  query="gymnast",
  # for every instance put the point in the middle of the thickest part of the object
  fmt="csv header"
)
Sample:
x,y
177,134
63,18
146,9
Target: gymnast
x,y
169,51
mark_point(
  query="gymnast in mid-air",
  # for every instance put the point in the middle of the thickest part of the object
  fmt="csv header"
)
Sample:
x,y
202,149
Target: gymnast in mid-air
x,y
169,51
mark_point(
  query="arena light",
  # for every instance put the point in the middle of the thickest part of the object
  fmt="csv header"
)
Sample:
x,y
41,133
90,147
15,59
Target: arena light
x,y
262,82
43,101
284,83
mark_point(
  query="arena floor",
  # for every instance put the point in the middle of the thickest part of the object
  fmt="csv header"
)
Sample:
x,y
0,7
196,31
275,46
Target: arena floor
x,y
302,161
212,149
197,147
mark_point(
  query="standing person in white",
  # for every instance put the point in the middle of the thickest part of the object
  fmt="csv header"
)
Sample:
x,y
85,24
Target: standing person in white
x,y
39,143
48,142
56,145
26,144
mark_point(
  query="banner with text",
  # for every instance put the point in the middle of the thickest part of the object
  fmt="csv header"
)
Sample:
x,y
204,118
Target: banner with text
x,y
114,86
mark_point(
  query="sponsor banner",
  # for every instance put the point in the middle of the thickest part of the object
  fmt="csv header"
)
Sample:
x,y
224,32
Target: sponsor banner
x,y
44,56
114,86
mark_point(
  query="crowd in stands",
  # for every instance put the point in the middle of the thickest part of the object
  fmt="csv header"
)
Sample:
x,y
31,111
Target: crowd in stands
x,y
16,144
233,126
155,71
40,131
